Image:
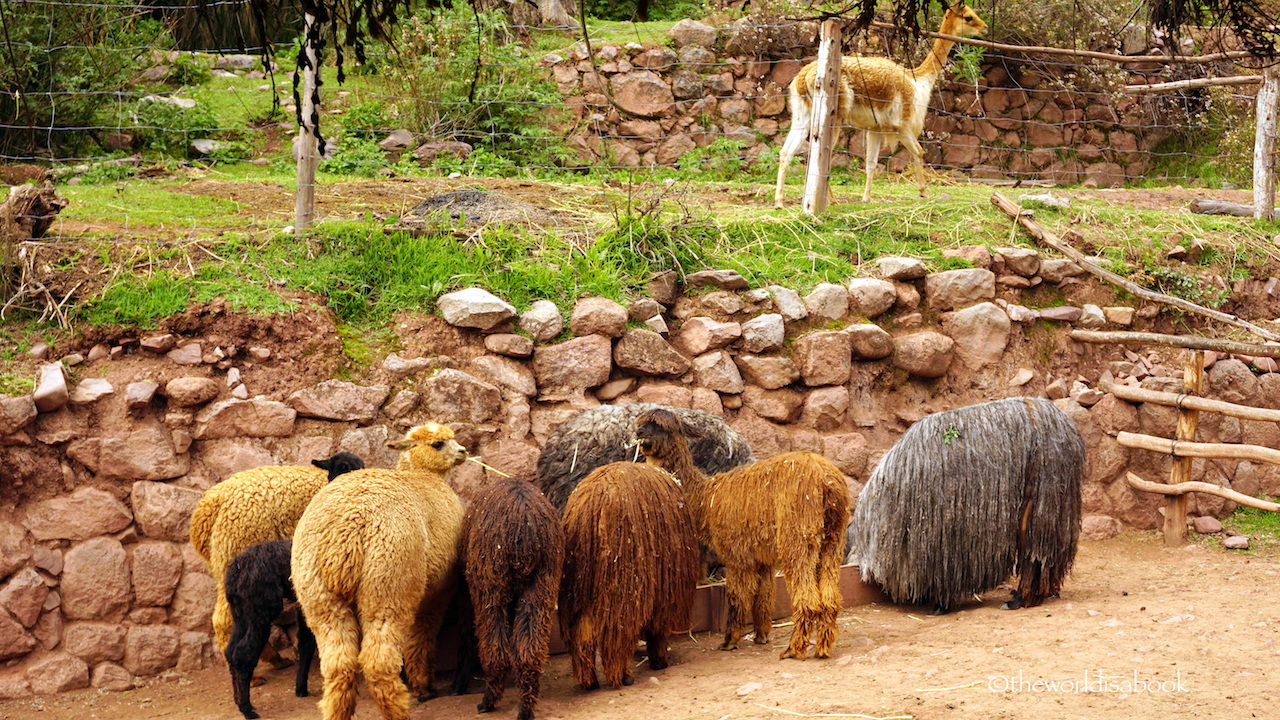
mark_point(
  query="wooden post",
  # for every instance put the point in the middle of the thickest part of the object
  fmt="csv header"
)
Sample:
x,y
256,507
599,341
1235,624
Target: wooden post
x,y
1175,506
1264,145
304,209
817,184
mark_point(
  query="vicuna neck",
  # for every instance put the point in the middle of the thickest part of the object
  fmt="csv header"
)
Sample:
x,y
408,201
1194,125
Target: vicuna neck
x,y
931,68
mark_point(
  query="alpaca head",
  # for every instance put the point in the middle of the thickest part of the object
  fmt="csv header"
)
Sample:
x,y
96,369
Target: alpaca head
x,y
961,20
429,447
663,437
343,462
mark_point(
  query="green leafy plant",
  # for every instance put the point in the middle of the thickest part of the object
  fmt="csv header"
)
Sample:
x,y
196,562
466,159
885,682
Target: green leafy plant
x,y
950,434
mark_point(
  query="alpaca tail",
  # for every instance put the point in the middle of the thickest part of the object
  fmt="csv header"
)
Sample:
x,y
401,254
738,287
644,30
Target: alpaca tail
x,y
202,521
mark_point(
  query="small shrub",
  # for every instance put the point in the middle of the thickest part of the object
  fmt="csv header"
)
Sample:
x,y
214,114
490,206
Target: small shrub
x,y
167,128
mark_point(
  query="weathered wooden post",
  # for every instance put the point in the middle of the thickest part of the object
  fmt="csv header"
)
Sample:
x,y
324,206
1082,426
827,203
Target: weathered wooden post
x,y
304,210
826,86
1175,506
1264,145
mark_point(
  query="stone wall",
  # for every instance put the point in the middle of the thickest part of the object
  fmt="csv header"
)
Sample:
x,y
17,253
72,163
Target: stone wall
x,y
1016,121
98,584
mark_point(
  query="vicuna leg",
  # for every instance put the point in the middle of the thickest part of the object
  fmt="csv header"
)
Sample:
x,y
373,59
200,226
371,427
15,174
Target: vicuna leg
x,y
493,634
740,589
582,651
306,654
380,659
338,640
870,163
917,160
796,137
762,607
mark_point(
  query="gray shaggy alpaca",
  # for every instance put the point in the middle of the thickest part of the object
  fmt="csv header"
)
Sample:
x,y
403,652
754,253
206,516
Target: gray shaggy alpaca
x,y
969,497
606,434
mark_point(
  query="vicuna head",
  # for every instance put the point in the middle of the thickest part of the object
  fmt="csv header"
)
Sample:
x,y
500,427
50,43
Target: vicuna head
x,y
343,462
662,437
962,21
428,447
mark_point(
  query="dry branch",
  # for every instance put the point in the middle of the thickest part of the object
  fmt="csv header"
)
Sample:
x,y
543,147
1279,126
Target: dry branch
x,y
1220,207
1045,237
1191,402
1190,342
1204,487
1192,84
1179,448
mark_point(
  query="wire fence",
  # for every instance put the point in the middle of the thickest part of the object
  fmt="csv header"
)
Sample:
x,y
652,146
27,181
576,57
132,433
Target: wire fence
x,y
123,120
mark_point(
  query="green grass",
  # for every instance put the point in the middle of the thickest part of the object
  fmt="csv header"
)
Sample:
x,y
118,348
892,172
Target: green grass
x,y
154,205
1260,526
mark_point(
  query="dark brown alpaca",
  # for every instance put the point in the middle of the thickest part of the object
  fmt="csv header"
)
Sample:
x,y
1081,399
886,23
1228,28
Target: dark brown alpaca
x,y
787,511
631,566
513,552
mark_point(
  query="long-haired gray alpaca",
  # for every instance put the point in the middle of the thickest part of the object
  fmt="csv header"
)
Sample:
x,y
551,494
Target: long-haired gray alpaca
x,y
969,497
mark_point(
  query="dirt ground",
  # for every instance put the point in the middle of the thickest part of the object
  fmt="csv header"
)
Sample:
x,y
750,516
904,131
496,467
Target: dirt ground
x,y
1139,632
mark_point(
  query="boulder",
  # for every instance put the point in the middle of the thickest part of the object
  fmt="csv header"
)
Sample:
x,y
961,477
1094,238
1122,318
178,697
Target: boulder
x,y
722,279
981,333
15,640
959,288
340,401
788,303
598,316
870,297
95,581
924,354
643,92
94,642
157,568
58,672
475,307
869,341
780,405
138,395
193,599
51,390
700,334
1019,261
692,32
507,373
763,333
509,344
644,352
716,371
255,417
163,512
23,595
827,302
825,408
87,512
542,321
189,391
15,413
573,365
147,453
901,268
110,677
824,358
454,396
767,372
149,649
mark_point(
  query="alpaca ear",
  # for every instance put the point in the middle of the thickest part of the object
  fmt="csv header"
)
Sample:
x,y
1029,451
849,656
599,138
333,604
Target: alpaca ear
x,y
401,445
690,431
325,464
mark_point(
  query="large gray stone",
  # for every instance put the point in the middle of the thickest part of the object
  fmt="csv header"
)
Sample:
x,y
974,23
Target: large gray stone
x,y
255,417
340,401
542,321
598,316
164,511
870,297
716,371
645,352
454,396
959,288
15,413
51,390
827,302
763,333
574,365
475,307
700,334
981,333
925,354
507,373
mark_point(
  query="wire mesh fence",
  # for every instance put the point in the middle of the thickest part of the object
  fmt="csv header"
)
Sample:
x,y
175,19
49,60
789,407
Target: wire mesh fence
x,y
127,105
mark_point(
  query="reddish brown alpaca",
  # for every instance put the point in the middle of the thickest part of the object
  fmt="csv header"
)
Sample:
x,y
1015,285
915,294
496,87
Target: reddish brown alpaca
x,y
786,511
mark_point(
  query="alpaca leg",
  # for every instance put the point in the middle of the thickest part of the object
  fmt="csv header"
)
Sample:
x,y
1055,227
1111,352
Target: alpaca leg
x,y
656,646
306,654
798,135
420,648
221,619
493,638
871,162
801,570
582,649
246,643
740,589
762,608
829,598
338,641
617,644
495,676
529,650
380,660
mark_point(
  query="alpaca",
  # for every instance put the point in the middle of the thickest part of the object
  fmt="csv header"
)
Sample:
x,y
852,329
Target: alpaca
x,y
789,510
254,506
606,434
257,585
631,568
880,96
513,554
968,497
374,564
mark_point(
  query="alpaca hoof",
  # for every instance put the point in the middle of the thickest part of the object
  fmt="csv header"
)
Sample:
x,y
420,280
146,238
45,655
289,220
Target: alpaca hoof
x,y
822,655
249,713
485,706
628,680
761,639
791,653
658,664
1013,603
729,646
257,681
593,685
428,694
524,713
301,693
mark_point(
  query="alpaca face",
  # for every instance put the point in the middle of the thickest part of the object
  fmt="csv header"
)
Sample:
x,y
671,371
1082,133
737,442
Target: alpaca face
x,y
430,447
660,432
966,21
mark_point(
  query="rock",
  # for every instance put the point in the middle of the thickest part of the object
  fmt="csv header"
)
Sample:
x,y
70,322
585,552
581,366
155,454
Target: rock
x,y
643,309
1021,314
144,454
769,373
692,32
644,93
95,642
157,568
509,344
23,595
614,388
158,343
924,354
475,307
427,152
15,641
1087,397
58,672
400,367
149,649
748,688
87,512
824,358
15,549
723,279
163,512
1119,315
827,301
51,390
869,341
1231,380
193,600
340,401
1056,270
95,581
542,321
1061,313
138,395
189,391
1206,525
256,417
779,405
573,365
1236,542
701,334
825,408
870,297
189,354
901,268
454,396
91,390
1098,527
13,686
1091,316
763,333
716,371
110,677
195,652
658,325
645,352
1019,261
598,316
507,373
959,288
848,452
981,333
16,413
664,287
1022,377
788,303
396,142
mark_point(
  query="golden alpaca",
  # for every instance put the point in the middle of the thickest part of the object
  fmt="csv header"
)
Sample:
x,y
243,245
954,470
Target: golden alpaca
x,y
375,560
880,96
787,511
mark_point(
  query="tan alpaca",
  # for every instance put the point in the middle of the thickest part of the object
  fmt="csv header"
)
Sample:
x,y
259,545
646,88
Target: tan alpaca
x,y
880,96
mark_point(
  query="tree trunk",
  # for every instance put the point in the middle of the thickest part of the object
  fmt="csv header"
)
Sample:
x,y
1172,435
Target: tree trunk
x,y
27,213
554,14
